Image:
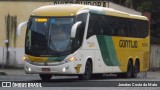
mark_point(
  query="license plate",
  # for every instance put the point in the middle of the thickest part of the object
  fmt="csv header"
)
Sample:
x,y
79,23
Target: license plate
x,y
45,69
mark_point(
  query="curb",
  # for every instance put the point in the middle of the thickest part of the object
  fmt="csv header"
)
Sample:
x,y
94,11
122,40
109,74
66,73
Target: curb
x,y
13,71
10,67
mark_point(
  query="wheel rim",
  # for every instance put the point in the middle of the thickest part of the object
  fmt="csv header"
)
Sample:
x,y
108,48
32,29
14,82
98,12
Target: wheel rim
x,y
136,68
129,72
88,71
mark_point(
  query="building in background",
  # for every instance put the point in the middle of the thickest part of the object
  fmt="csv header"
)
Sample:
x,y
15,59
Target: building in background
x,y
12,13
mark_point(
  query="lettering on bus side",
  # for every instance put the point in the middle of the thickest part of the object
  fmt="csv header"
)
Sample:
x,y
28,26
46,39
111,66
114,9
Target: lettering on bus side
x,y
128,44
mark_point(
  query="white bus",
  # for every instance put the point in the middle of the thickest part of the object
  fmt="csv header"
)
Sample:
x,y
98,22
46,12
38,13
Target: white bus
x,y
85,40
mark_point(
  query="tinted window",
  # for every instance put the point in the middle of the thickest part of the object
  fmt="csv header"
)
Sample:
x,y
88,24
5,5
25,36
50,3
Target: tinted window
x,y
95,25
116,26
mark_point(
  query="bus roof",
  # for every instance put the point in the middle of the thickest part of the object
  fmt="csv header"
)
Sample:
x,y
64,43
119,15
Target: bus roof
x,y
58,10
73,9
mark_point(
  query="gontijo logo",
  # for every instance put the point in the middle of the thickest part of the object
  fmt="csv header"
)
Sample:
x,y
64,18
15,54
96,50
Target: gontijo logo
x,y
128,44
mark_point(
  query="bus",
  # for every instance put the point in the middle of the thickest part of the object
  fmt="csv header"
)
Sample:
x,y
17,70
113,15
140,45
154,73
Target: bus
x,y
85,41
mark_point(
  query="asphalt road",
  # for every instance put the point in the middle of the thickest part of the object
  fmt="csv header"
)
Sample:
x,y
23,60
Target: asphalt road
x,y
73,83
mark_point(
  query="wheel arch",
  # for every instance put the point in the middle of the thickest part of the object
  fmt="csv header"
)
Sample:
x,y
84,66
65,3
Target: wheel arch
x,y
131,60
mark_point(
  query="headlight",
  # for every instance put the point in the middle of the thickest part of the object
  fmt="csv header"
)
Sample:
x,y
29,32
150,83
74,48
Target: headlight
x,y
72,59
25,58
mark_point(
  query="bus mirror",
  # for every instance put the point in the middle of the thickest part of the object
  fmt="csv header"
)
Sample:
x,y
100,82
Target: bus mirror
x,y
19,28
74,28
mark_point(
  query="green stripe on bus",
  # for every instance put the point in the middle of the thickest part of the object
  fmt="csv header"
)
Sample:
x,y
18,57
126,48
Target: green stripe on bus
x,y
104,50
108,51
61,58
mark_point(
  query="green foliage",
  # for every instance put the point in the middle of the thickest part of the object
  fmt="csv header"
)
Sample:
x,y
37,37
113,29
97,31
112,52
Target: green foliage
x,y
146,6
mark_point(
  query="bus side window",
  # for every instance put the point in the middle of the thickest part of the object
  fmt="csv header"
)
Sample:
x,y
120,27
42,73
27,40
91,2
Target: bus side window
x,y
127,27
106,25
122,27
115,26
144,28
95,25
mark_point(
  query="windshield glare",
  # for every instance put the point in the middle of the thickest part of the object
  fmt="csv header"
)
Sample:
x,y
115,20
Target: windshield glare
x,y
60,34
49,35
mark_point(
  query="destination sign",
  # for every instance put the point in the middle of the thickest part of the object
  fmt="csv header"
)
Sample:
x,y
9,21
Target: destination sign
x,y
93,3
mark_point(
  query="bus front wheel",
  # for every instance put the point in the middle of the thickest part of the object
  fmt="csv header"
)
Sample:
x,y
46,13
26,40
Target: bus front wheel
x,y
88,72
45,77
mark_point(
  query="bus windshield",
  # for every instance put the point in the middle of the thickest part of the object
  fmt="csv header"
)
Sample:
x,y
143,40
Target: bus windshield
x,y
48,36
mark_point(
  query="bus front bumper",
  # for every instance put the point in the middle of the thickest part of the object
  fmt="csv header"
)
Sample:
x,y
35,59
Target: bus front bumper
x,y
66,68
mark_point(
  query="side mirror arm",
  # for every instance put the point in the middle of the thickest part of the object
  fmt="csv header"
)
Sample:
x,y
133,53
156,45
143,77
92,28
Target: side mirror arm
x,y
19,28
74,29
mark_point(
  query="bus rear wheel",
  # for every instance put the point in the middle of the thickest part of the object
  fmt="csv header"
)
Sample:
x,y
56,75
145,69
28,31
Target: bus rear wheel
x,y
45,77
129,72
135,70
88,72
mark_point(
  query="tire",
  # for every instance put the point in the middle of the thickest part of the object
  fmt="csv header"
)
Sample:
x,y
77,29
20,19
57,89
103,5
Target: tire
x,y
135,70
45,77
129,72
88,72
